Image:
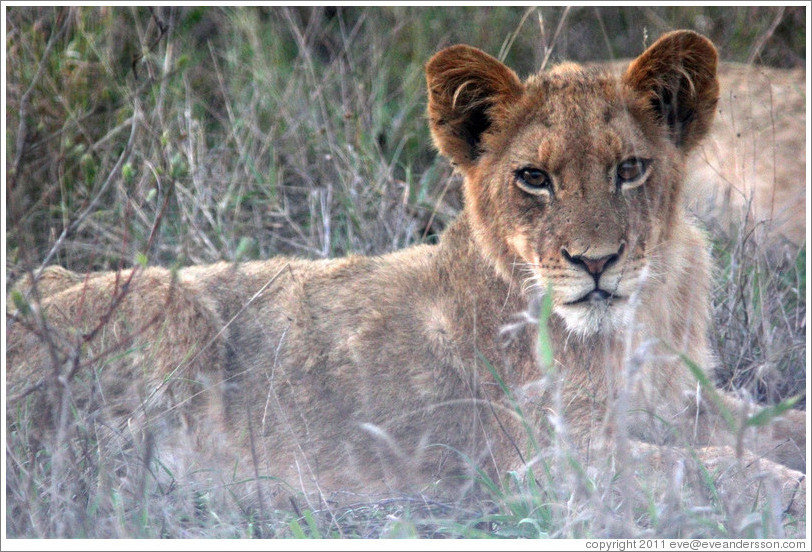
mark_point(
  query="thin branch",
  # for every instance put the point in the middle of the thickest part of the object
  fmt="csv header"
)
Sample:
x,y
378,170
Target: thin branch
x,y
22,127
759,45
549,50
163,28
70,229
508,43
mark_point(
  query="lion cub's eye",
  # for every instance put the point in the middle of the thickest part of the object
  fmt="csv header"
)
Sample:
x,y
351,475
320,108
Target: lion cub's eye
x,y
631,172
534,181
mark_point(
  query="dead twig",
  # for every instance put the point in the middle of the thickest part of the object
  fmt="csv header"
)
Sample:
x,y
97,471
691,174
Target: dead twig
x,y
72,227
762,40
22,127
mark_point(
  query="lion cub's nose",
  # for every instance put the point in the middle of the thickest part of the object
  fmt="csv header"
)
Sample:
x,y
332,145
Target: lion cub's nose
x,y
594,265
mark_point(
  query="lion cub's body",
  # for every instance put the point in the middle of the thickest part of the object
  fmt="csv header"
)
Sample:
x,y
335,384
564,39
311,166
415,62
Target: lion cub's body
x,y
401,373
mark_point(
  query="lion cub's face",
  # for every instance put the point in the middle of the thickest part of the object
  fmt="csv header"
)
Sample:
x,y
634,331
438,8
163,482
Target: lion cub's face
x,y
572,178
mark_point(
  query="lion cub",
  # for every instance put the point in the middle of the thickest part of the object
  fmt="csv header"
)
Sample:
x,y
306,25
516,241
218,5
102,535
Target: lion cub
x,y
406,373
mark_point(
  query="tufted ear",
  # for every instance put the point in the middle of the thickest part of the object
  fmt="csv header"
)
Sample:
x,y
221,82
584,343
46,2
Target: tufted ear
x,y
469,92
677,75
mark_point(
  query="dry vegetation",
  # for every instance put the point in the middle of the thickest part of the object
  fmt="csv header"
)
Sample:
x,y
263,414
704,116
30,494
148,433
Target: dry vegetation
x,y
174,136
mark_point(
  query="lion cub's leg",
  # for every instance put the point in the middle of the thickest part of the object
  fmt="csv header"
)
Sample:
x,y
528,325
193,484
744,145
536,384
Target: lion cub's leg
x,y
789,438
782,439
741,483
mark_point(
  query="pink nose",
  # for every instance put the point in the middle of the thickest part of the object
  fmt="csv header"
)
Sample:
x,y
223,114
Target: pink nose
x,y
594,265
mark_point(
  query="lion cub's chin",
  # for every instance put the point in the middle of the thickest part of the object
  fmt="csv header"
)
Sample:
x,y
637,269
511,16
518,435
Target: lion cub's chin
x,y
596,317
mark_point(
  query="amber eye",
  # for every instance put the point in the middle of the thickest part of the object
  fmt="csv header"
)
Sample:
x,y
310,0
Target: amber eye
x,y
631,172
534,181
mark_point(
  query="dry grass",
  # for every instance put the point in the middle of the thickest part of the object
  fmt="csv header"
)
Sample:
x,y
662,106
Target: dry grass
x,y
181,136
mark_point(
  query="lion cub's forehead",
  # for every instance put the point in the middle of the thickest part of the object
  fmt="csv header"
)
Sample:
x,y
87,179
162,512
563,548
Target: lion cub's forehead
x,y
572,108
575,93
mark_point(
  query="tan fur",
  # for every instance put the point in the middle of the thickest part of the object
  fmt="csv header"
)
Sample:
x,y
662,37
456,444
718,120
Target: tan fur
x,y
375,375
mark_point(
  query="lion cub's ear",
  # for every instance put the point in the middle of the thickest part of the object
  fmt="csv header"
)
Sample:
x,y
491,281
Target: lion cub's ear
x,y
468,94
677,75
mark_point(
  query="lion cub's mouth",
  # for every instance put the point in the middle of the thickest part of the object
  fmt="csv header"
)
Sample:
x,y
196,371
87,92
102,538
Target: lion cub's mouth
x,y
595,297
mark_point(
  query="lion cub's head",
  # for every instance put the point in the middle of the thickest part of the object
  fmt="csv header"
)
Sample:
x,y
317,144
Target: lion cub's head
x,y
573,177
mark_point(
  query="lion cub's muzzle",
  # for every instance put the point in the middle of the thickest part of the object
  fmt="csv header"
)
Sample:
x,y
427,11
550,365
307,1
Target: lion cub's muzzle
x,y
595,266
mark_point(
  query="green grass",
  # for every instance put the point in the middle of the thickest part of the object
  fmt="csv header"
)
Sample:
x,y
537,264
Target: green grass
x,y
190,135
